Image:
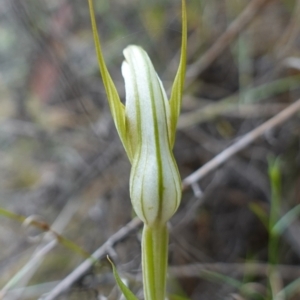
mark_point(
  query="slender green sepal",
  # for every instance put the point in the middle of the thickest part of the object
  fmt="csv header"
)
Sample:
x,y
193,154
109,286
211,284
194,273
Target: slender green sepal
x,y
122,286
154,261
177,88
116,107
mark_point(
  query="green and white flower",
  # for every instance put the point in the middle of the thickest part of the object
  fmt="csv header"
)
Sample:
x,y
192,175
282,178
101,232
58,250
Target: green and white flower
x,y
147,129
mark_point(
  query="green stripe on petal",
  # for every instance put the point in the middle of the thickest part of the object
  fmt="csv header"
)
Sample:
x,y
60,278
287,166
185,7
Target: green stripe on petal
x,y
154,180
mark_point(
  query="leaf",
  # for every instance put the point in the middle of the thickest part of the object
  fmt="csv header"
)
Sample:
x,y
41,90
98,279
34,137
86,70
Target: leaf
x,y
124,289
286,220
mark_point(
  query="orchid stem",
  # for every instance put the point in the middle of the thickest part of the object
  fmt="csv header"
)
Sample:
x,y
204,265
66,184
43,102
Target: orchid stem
x,y
154,261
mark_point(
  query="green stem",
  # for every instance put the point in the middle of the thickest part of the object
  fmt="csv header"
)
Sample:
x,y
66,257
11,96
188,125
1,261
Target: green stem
x,y
155,261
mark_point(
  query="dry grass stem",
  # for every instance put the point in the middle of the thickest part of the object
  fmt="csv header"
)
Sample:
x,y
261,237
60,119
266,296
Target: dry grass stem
x,y
232,32
67,282
242,143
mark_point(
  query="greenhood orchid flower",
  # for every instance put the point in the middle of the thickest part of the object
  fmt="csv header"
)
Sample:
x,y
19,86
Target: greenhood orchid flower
x,y
147,129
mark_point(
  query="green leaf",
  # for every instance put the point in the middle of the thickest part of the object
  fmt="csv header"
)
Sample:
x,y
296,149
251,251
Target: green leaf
x,y
177,88
286,220
116,107
124,289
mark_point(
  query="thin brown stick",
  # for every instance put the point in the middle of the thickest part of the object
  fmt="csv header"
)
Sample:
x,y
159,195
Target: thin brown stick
x,y
238,269
67,282
238,25
241,144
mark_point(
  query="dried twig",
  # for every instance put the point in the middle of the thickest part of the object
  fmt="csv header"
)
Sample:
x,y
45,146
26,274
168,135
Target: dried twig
x,y
241,144
48,242
29,269
238,25
256,93
67,282
247,111
24,275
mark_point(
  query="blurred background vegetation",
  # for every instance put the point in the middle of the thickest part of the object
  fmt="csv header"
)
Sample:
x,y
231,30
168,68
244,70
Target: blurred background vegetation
x,y
62,162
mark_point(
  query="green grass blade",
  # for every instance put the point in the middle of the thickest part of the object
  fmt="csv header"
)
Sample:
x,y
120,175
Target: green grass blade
x,y
12,215
275,203
289,290
286,220
47,228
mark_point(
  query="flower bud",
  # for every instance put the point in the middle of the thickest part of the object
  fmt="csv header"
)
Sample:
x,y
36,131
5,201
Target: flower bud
x,y
155,185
